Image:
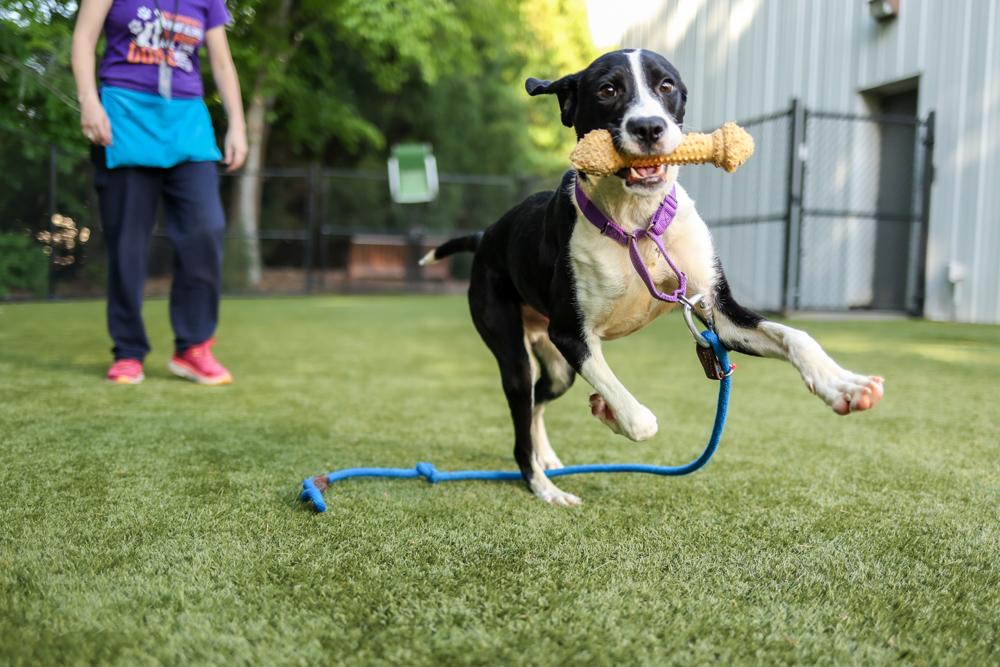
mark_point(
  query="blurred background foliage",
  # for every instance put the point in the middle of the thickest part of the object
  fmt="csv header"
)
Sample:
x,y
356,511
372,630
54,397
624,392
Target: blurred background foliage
x,y
327,84
342,80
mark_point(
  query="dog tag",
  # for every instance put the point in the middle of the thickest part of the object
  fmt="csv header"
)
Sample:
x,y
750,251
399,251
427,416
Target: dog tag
x,y
165,79
710,362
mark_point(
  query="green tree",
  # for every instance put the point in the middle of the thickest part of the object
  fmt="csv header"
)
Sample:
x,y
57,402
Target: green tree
x,y
38,111
316,56
471,106
37,94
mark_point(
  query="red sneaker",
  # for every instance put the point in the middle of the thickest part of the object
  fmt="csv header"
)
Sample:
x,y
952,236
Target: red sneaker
x,y
199,365
126,371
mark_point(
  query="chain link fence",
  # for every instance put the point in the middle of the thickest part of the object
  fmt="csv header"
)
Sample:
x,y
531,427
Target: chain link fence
x,y
829,214
319,229
747,212
860,245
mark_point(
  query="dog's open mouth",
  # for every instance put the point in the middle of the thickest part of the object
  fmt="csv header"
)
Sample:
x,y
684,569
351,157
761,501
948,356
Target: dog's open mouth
x,y
643,176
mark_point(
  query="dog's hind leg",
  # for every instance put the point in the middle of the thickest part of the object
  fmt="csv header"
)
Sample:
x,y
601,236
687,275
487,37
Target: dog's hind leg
x,y
555,378
496,313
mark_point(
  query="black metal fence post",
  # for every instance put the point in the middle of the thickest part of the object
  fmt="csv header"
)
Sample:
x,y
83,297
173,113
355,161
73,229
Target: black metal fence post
x,y
312,217
927,181
324,211
414,244
53,204
793,207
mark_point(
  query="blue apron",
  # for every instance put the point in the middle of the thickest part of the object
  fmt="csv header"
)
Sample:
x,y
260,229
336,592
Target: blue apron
x,y
150,131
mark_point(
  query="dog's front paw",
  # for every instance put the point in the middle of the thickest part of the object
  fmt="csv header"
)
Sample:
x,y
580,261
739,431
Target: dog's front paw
x,y
545,490
846,392
637,424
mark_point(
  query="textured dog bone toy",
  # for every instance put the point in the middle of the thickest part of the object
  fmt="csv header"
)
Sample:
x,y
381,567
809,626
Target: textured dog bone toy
x,y
728,147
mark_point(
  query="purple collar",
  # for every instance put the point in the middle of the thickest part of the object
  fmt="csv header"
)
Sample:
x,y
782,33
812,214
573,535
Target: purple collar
x,y
657,226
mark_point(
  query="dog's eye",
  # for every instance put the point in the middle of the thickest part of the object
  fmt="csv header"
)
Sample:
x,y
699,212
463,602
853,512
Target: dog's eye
x,y
666,87
607,91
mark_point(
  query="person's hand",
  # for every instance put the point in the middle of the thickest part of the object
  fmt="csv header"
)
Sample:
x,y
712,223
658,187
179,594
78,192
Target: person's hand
x,y
236,149
94,123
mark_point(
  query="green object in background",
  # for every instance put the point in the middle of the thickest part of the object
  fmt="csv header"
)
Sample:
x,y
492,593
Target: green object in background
x,y
413,177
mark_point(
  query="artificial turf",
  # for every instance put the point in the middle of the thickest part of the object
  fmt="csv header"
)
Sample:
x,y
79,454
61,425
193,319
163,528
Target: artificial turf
x,y
159,523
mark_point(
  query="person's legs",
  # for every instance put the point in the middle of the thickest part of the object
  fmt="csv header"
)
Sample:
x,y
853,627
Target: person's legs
x,y
195,224
128,201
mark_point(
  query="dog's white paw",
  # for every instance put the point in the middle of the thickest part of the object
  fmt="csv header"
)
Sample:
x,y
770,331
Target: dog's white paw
x,y
638,424
553,495
846,392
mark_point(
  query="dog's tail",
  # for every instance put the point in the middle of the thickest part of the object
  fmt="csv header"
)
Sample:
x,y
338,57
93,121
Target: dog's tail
x,y
461,244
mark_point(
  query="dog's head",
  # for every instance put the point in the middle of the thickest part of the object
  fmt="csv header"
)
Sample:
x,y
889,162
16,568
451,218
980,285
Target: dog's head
x,y
635,94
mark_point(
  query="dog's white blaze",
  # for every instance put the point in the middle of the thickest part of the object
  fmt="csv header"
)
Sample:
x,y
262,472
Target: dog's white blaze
x,y
646,105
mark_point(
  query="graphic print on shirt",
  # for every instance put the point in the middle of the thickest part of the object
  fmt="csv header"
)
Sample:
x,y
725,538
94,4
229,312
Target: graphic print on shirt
x,y
148,44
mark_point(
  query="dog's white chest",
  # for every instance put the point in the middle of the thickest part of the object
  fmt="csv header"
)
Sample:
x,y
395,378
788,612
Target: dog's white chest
x,y
612,298
610,293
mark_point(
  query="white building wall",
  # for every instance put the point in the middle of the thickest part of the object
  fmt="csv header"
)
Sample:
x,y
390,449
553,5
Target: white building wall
x,y
742,58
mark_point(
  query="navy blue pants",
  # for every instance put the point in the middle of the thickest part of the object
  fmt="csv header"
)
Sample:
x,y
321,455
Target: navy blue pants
x,y
195,223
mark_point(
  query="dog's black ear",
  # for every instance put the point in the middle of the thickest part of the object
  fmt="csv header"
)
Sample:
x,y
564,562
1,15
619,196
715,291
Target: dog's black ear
x,y
537,86
565,89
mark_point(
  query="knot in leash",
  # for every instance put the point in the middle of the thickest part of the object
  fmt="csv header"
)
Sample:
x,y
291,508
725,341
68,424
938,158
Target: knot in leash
x,y
428,472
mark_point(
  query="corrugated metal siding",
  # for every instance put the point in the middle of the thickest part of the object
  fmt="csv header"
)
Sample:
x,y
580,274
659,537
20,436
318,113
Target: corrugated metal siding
x,y
743,58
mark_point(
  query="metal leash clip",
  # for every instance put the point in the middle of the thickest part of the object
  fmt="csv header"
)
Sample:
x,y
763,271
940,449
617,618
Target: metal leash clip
x,y
706,355
689,305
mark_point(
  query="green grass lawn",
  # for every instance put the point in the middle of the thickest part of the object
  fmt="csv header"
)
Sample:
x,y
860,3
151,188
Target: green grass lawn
x,y
159,523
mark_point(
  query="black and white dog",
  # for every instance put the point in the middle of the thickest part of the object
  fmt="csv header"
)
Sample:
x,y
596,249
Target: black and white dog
x,y
547,287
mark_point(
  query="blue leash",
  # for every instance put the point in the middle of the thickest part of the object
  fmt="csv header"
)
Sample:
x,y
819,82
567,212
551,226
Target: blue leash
x,y
312,493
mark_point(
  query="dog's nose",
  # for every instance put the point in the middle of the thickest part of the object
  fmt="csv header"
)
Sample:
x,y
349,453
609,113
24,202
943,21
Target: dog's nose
x,y
647,130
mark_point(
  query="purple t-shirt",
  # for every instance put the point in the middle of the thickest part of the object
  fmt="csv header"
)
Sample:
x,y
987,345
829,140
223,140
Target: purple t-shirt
x,y
140,33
